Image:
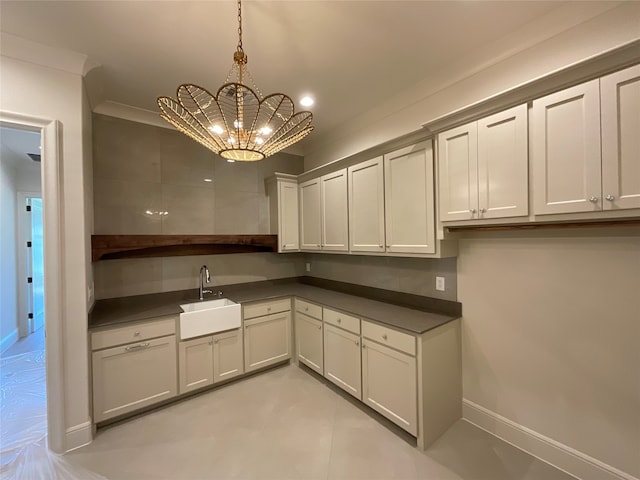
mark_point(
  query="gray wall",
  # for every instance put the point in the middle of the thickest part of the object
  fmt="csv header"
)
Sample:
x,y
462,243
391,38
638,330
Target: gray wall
x,y
139,168
408,275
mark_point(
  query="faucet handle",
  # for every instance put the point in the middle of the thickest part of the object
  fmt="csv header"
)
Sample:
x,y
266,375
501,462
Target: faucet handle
x,y
206,291
219,293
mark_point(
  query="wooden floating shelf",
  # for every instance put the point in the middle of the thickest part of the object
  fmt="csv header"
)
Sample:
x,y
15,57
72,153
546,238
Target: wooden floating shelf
x,y
107,247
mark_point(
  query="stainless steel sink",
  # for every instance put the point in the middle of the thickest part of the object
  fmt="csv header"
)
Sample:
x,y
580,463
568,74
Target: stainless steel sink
x,y
211,316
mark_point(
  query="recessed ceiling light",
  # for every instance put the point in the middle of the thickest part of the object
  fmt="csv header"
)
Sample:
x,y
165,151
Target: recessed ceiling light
x,y
208,179
306,101
230,161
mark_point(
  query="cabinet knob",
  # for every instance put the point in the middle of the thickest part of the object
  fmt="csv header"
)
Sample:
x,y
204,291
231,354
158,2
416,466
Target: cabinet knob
x,y
363,345
611,198
473,210
268,309
306,309
210,342
318,245
388,246
283,246
381,246
593,199
482,210
339,320
384,337
357,343
215,341
136,334
319,327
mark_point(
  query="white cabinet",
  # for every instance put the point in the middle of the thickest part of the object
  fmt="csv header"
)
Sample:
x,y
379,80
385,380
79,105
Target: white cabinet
x,y
342,361
282,190
335,223
566,151
310,215
483,169
366,206
267,336
409,200
586,146
389,384
620,109
207,360
133,375
309,341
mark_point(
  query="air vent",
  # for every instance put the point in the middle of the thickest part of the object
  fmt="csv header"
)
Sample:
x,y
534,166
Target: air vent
x,y
34,156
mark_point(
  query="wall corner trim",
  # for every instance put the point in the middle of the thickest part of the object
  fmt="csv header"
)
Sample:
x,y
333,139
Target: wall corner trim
x,y
550,451
78,436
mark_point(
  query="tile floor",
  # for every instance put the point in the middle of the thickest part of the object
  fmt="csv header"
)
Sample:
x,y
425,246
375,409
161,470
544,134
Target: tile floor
x,y
287,424
31,343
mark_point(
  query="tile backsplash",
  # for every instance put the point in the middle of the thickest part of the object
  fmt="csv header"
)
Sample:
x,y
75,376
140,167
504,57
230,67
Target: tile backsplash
x,y
138,276
153,180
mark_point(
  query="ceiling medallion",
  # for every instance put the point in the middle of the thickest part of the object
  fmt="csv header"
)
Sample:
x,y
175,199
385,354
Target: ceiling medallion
x,y
237,123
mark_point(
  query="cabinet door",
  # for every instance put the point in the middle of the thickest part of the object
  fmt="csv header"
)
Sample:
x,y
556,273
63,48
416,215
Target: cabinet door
x,y
267,340
389,384
288,229
503,181
195,361
366,206
620,103
409,208
566,151
342,361
227,355
310,226
309,341
133,376
458,173
335,223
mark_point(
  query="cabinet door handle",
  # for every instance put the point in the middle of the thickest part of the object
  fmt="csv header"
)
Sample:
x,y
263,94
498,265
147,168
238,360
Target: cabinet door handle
x,y
384,337
388,246
137,347
593,199
319,327
210,342
136,334
357,343
482,210
339,320
363,345
611,198
306,309
216,341
473,210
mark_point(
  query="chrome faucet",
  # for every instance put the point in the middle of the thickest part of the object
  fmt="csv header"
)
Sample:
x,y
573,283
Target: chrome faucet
x,y
204,277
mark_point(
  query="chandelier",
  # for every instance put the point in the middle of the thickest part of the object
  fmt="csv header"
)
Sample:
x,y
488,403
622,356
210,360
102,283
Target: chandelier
x,y
238,122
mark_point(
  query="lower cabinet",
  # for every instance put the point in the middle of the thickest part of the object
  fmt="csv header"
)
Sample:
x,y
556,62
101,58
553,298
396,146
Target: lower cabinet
x,y
207,360
342,362
267,340
389,384
132,376
309,341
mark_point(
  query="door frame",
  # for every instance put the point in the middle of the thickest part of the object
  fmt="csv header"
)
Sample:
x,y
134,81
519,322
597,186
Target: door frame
x,y
23,235
53,260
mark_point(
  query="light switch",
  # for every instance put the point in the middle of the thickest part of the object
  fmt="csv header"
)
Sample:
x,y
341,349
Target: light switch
x,y
440,284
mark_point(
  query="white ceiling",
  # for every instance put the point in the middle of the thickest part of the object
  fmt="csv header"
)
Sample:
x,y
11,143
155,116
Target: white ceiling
x,y
14,146
349,55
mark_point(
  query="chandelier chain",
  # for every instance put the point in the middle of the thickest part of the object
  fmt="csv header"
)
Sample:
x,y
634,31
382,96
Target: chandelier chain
x,y
240,26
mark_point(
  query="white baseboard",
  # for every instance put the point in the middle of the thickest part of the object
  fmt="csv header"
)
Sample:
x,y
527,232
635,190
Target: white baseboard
x,y
78,436
9,340
561,456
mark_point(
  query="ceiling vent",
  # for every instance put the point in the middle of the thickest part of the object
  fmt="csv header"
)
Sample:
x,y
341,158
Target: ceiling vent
x,y
34,156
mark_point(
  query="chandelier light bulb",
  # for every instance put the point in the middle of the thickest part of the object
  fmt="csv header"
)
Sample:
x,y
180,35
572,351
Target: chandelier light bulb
x,y
306,101
266,130
259,140
216,129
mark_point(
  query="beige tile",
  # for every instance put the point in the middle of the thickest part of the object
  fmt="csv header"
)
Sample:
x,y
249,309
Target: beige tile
x,y
122,278
124,150
127,207
239,212
190,210
237,176
185,162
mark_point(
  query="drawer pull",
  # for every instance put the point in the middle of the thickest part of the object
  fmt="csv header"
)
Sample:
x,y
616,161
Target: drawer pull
x,y
384,337
306,309
319,327
339,320
137,347
136,334
357,343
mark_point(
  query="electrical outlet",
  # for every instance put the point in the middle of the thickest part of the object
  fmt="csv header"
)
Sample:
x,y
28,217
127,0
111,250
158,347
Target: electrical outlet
x,y
307,267
440,284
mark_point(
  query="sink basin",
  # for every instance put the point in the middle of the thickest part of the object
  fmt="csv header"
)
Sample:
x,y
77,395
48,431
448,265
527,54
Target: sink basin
x,y
204,318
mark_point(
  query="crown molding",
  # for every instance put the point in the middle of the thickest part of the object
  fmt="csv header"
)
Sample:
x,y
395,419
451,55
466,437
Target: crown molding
x,y
40,54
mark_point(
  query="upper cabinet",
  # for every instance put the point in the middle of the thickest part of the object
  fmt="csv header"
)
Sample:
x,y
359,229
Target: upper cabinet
x,y
482,168
586,146
283,205
310,215
409,200
366,206
620,109
335,224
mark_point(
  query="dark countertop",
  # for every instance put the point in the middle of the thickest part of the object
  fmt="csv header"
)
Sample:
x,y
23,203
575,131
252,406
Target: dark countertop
x,y
121,310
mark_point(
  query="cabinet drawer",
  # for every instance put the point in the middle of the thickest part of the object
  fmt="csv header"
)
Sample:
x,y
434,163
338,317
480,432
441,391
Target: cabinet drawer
x,y
266,308
308,308
392,338
133,333
342,320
